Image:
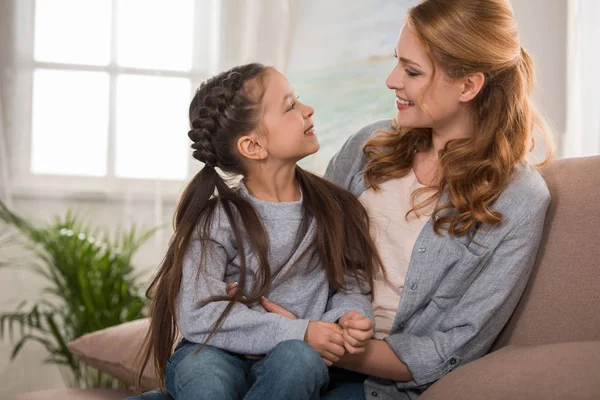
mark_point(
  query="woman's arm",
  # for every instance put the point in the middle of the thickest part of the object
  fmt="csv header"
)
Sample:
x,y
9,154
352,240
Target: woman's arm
x,y
378,360
469,327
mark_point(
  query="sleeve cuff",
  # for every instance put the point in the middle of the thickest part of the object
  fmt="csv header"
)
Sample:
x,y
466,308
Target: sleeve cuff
x,y
290,329
422,359
336,314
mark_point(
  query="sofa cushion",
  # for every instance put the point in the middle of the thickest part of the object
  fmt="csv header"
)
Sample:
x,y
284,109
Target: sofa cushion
x,y
560,303
554,371
115,351
76,394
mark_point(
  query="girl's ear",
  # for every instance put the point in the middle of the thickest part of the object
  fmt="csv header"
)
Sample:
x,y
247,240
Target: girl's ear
x,y
250,146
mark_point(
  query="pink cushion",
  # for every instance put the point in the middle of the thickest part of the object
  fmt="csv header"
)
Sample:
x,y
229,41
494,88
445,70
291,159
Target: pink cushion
x,y
115,351
76,394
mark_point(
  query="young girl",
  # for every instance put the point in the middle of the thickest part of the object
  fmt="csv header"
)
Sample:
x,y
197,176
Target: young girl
x,y
282,233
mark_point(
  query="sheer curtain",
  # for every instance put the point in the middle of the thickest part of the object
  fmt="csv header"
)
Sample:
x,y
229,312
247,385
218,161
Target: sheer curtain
x,y
583,84
5,191
257,30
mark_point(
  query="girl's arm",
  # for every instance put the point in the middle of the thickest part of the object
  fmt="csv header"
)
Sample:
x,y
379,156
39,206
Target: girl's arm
x,y
355,298
244,331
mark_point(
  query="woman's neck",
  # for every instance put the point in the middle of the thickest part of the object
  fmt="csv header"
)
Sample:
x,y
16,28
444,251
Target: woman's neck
x,y
461,126
273,184
426,163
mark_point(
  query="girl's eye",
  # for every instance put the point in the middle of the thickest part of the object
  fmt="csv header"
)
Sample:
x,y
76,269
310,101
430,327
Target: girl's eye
x,y
293,105
412,73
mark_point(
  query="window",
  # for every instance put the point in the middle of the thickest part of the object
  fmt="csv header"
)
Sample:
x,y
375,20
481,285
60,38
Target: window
x,y
110,83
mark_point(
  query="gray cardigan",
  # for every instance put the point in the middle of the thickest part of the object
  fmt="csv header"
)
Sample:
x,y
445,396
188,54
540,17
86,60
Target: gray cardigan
x,y
457,295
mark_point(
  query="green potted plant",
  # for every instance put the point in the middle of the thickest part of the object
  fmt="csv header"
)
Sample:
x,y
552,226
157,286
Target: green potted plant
x,y
90,285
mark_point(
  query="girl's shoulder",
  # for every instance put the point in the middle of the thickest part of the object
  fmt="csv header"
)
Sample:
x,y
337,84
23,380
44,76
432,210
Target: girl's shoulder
x,y
219,225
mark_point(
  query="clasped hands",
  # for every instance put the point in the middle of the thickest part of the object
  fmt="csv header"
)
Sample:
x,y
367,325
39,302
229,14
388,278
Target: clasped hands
x,y
350,334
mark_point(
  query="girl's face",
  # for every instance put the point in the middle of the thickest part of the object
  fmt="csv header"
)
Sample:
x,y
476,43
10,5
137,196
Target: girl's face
x,y
290,135
409,79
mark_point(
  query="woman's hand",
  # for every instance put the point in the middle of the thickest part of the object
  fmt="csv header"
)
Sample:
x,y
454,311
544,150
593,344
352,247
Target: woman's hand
x,y
267,305
357,331
325,337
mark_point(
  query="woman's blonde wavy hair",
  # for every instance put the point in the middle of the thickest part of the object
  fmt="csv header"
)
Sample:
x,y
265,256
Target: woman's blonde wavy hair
x,y
463,37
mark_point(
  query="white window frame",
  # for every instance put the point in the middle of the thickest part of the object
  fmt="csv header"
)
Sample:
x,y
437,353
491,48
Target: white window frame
x,y
24,182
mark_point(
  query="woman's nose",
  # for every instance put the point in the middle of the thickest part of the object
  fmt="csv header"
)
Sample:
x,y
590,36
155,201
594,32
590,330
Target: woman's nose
x,y
394,79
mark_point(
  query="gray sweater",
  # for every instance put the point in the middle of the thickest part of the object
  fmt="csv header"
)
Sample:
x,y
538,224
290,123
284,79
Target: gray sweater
x,y
305,292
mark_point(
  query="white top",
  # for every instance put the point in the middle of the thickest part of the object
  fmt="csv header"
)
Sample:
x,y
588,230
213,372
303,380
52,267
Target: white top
x,y
395,236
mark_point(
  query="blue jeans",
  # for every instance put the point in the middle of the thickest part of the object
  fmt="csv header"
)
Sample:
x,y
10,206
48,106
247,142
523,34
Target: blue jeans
x,y
292,370
345,385
216,374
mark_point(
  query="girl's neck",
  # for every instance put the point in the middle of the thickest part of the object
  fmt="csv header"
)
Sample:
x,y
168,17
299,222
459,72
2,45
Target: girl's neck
x,y
273,184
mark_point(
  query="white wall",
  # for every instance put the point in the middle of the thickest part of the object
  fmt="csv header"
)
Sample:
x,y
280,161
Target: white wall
x,y
543,29
543,32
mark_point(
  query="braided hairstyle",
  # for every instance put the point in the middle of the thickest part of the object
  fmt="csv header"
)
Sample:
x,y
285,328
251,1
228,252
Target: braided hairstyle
x,y
224,108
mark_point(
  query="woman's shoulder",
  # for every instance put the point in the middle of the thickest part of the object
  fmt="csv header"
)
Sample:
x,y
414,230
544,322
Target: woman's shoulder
x,y
354,143
525,192
349,160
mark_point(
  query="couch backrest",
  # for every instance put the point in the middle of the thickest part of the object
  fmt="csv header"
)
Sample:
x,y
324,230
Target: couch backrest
x,y
562,300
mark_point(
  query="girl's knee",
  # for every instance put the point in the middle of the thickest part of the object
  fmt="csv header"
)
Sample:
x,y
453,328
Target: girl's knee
x,y
299,357
208,371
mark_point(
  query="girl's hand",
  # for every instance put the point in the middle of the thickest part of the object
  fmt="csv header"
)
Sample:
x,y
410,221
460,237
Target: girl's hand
x,y
357,331
326,339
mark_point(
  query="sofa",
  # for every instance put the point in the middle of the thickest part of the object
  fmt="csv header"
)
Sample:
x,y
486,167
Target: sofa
x,y
549,349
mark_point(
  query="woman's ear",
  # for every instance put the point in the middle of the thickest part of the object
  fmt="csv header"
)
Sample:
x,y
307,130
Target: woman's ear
x,y
249,146
472,86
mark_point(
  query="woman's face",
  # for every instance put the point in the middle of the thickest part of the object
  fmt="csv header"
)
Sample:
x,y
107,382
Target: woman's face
x,y
409,78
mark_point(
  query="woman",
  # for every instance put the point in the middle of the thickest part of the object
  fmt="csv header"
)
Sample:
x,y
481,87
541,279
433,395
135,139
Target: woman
x,y
457,212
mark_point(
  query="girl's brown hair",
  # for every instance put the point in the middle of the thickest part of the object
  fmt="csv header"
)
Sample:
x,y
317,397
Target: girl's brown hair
x,y
464,37
224,108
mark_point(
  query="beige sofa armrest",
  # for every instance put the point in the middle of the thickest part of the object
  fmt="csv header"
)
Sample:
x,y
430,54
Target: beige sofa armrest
x,y
553,371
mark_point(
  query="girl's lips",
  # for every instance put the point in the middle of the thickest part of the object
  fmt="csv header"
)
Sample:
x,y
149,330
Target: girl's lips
x,y
310,131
